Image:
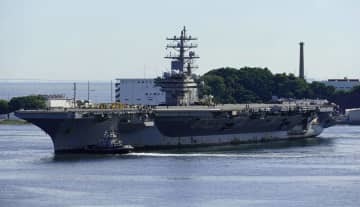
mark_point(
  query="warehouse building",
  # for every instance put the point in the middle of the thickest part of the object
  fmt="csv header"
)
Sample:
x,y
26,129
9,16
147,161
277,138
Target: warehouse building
x,y
138,92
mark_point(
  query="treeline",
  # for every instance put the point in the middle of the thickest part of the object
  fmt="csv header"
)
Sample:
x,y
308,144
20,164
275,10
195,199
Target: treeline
x,y
252,84
24,102
347,100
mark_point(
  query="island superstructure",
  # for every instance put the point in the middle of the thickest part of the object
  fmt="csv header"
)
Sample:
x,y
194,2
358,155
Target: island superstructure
x,y
138,92
182,121
179,85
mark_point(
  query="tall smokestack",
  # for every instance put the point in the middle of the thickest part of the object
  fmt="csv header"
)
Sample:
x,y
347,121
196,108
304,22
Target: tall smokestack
x,y
301,65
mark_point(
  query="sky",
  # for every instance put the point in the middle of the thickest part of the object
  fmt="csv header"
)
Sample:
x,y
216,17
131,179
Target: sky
x,y
109,39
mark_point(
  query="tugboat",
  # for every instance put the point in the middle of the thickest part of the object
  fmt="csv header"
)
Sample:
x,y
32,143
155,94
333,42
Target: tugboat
x,y
109,144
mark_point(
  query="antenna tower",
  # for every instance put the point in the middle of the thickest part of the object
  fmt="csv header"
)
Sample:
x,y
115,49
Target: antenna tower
x,y
184,56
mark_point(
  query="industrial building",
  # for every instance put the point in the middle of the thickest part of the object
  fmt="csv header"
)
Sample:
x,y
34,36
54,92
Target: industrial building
x,y
138,92
344,84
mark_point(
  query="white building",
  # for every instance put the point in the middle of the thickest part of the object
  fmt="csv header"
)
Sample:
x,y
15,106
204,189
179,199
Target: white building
x,y
58,101
138,92
342,84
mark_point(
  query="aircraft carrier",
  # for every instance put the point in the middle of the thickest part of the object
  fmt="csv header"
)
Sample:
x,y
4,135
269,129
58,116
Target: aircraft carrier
x,y
182,122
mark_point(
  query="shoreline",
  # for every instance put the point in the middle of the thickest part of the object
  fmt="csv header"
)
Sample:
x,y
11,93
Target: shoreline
x,y
13,122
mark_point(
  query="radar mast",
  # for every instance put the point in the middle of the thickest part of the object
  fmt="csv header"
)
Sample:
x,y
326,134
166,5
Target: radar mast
x,y
184,56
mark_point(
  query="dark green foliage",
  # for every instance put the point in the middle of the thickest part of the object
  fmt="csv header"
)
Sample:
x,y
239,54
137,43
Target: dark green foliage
x,y
349,99
215,86
356,90
27,102
230,85
245,85
289,86
319,90
4,107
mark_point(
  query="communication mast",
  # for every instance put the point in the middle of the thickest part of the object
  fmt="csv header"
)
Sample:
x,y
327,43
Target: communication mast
x,y
184,56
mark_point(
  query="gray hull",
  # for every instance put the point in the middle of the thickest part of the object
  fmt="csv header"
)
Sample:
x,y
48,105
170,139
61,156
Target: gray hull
x,y
69,133
73,133
151,138
176,131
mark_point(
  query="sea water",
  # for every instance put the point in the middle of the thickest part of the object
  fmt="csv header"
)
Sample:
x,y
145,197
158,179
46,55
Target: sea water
x,y
322,171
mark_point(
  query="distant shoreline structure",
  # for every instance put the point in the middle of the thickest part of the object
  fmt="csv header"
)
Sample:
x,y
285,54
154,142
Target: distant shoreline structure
x,y
50,81
13,122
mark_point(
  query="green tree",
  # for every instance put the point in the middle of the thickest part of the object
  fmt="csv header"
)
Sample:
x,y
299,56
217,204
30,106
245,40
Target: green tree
x,y
215,86
289,86
239,85
4,106
320,90
243,95
355,90
27,102
347,99
258,81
